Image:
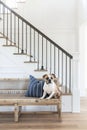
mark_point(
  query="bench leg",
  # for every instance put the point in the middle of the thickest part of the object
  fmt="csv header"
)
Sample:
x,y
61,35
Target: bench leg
x,y
20,109
59,112
16,113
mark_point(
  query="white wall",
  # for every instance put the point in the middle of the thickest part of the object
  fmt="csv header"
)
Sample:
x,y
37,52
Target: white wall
x,y
82,6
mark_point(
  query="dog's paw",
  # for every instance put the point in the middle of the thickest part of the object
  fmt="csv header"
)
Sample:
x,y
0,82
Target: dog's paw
x,y
48,98
41,98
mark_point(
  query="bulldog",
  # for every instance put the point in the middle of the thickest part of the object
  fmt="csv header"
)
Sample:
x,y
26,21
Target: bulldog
x,y
50,87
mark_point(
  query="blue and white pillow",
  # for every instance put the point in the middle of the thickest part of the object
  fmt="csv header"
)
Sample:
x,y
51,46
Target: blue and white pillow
x,y
35,88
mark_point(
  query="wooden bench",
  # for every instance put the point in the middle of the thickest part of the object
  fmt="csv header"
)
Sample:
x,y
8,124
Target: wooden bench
x,y
19,100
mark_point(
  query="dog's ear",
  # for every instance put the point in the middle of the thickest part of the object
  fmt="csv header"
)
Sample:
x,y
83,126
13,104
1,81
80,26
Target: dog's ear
x,y
54,76
44,76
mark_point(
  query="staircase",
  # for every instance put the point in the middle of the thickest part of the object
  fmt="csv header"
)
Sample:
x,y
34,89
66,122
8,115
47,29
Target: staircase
x,y
39,49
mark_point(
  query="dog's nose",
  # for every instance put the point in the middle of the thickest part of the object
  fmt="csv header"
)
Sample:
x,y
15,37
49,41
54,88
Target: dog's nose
x,y
49,80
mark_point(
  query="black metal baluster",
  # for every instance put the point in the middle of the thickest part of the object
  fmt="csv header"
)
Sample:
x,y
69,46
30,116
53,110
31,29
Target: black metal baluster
x,y
62,67
10,28
26,38
66,76
50,57
46,54
22,51
58,64
30,43
69,75
42,67
7,29
3,20
34,45
54,59
38,53
18,35
14,29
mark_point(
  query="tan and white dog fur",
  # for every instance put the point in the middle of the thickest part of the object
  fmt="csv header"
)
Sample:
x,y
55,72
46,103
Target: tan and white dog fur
x,y
50,87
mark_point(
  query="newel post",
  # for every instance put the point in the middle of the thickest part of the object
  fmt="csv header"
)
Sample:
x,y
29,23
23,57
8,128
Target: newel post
x,y
75,84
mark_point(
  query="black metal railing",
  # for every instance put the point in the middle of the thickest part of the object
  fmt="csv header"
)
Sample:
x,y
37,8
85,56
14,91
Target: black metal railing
x,y
30,41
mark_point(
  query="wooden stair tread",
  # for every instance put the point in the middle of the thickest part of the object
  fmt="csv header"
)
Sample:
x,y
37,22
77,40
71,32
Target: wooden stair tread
x,y
40,70
21,1
9,45
2,37
30,62
5,13
22,54
19,53
66,94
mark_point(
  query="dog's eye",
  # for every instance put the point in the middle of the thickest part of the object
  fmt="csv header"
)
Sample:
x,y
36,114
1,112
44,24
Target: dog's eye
x,y
47,78
51,77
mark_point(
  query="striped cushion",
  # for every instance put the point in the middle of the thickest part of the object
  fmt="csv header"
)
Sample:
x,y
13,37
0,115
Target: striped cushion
x,y
35,88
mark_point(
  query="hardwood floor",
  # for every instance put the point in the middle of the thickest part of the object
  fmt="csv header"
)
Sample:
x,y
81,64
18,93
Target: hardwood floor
x,y
76,121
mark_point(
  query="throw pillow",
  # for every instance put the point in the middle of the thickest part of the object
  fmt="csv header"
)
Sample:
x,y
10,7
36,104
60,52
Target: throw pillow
x,y
35,87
